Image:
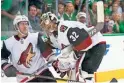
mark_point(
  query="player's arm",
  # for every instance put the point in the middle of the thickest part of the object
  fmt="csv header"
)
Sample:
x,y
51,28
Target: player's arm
x,y
9,69
100,19
4,54
44,46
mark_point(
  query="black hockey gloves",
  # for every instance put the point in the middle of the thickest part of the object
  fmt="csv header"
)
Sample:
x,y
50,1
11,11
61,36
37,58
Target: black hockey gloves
x,y
9,70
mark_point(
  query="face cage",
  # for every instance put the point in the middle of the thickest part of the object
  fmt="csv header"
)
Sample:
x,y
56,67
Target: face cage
x,y
48,27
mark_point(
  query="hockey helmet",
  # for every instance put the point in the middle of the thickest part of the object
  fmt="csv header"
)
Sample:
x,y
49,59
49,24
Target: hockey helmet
x,y
19,18
49,17
49,21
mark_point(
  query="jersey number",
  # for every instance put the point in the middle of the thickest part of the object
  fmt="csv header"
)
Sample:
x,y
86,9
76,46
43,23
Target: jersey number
x,y
74,36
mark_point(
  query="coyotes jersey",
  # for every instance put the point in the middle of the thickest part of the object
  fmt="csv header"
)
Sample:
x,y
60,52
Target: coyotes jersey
x,y
74,32
71,32
24,53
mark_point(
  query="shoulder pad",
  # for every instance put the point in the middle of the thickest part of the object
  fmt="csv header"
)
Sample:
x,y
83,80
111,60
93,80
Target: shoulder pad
x,y
63,28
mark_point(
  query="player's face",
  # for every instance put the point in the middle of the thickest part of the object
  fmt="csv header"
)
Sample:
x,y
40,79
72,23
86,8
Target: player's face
x,y
23,27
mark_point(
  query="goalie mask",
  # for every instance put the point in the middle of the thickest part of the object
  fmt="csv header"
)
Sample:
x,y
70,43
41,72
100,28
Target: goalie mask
x,y
49,21
18,20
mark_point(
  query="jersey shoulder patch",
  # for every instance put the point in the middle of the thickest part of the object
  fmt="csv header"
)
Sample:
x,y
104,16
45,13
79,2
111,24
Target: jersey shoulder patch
x,y
63,28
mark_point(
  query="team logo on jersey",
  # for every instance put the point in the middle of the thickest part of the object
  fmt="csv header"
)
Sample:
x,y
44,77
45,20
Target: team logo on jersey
x,y
63,28
26,56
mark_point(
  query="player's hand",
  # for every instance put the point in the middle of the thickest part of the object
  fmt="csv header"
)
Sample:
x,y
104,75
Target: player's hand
x,y
55,66
9,70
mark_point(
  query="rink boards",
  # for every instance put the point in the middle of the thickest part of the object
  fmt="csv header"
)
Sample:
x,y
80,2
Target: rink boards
x,y
112,65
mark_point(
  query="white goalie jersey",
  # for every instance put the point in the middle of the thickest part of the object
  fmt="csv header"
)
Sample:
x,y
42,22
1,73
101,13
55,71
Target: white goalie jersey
x,y
74,34
68,38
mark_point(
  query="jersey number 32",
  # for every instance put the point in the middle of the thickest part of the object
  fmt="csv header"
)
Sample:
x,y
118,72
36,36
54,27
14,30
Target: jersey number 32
x,y
74,36
79,38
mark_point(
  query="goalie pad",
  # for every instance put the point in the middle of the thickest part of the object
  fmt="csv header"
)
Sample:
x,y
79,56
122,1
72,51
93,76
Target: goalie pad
x,y
66,60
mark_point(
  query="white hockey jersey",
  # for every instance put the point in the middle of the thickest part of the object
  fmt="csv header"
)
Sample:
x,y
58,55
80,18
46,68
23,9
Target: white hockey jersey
x,y
27,55
61,40
72,33
63,30
24,54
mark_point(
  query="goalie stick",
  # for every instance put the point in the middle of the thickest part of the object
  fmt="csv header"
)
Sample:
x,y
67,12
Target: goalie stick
x,y
47,77
48,64
51,78
100,19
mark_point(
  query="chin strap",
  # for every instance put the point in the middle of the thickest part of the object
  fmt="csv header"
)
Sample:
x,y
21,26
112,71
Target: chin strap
x,y
21,32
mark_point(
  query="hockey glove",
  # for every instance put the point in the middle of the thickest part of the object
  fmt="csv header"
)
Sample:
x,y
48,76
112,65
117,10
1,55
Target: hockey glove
x,y
55,66
9,70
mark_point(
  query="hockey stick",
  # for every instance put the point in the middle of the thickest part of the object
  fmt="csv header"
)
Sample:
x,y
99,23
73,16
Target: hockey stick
x,y
45,66
100,19
41,69
51,78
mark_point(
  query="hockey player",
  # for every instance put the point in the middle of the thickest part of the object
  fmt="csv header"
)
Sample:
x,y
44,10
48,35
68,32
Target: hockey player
x,y
26,52
73,39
